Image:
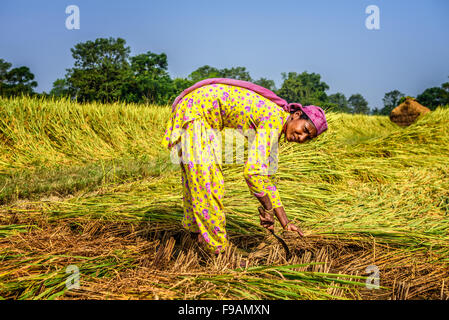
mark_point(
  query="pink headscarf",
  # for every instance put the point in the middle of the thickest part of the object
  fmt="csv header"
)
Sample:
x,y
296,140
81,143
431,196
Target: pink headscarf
x,y
315,114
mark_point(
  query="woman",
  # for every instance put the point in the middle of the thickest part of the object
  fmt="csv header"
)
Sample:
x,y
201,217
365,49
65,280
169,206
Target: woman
x,y
210,106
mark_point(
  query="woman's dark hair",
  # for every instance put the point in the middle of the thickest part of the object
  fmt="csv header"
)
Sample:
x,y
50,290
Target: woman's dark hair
x,y
303,114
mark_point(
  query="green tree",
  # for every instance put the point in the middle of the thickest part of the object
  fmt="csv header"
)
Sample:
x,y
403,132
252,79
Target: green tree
x,y
445,87
100,69
151,64
204,72
15,81
391,101
60,88
305,88
375,111
266,83
4,68
238,73
148,80
179,85
340,102
433,97
358,104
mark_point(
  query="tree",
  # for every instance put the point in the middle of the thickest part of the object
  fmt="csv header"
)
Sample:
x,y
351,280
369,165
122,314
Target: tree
x,y
340,102
104,71
100,69
375,111
204,72
433,97
305,88
60,88
148,80
151,64
179,85
238,73
445,87
4,67
391,101
4,86
266,83
15,81
358,104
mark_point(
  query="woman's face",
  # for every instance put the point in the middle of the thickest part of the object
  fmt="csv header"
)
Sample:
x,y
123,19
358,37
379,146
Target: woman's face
x,y
299,130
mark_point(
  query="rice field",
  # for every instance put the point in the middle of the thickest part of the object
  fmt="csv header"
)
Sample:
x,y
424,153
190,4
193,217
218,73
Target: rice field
x,y
89,185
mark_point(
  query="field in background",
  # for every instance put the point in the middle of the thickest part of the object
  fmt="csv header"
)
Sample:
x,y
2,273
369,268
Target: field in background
x,y
89,185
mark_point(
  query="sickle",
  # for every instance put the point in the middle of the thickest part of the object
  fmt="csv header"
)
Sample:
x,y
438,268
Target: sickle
x,y
284,245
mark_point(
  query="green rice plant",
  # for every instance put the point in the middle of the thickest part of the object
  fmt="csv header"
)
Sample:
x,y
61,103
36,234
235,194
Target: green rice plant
x,y
24,279
278,282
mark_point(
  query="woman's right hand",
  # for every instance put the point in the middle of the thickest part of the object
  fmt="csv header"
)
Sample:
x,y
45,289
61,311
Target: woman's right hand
x,y
266,220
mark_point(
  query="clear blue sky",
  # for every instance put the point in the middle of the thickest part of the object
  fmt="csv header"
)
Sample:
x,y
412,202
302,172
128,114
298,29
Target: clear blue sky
x,y
410,52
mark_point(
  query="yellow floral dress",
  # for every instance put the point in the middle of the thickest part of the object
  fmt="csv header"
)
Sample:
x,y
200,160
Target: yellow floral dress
x,y
194,129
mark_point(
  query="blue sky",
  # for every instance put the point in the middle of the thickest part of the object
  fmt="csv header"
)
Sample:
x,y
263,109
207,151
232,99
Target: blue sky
x,y
410,52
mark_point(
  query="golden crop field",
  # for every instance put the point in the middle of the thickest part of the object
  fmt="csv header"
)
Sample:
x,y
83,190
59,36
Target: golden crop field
x,y
90,185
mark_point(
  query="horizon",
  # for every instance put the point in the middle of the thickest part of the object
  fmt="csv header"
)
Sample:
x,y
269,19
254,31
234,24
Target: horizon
x,y
323,37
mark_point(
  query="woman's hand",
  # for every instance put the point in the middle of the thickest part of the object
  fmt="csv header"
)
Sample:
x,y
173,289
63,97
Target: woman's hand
x,y
266,219
292,227
267,222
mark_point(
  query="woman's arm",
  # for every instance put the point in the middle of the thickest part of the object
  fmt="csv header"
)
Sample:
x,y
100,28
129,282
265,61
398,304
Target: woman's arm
x,y
268,222
257,175
279,211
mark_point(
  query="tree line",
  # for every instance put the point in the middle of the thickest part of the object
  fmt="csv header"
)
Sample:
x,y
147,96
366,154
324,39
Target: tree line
x,y
104,71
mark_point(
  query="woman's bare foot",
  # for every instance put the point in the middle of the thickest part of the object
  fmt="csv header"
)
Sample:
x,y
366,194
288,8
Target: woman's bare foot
x,y
201,241
200,238
197,236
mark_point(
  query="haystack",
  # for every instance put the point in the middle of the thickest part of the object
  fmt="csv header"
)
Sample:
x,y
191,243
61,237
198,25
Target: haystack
x,y
407,112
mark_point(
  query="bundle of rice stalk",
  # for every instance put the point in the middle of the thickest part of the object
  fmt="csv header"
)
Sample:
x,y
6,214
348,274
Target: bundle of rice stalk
x,y
407,112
